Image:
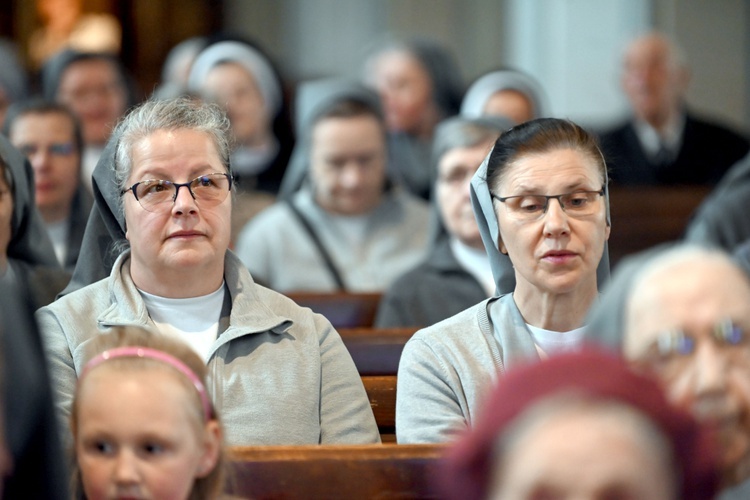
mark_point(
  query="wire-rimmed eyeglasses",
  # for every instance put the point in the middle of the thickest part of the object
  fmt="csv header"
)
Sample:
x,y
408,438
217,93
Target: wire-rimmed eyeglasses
x,y
531,207
208,190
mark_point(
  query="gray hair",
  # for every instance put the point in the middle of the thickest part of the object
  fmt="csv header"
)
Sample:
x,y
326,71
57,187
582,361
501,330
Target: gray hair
x,y
169,114
675,257
461,132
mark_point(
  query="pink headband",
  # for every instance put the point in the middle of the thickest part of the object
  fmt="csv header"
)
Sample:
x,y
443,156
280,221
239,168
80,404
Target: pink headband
x,y
146,352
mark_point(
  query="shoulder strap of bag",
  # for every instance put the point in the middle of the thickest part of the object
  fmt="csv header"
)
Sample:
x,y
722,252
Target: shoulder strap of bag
x,y
319,244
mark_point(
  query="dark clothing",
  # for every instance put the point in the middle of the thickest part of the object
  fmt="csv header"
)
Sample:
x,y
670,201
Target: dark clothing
x,y
79,215
722,220
39,469
706,153
433,291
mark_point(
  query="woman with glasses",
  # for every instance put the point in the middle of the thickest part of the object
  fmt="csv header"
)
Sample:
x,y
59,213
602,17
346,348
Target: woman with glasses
x,y
281,374
540,201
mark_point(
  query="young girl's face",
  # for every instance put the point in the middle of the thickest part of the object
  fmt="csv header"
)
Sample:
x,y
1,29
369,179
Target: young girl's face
x,y
139,435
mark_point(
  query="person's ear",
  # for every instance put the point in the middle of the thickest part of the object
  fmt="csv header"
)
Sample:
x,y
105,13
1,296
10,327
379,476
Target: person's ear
x,y
212,443
501,246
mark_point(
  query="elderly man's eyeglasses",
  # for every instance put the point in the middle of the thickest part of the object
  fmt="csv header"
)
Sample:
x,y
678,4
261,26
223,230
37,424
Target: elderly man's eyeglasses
x,y
157,195
675,346
531,207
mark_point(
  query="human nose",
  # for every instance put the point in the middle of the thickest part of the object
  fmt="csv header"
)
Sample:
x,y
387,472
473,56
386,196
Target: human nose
x,y
710,369
126,468
184,200
40,159
351,175
555,218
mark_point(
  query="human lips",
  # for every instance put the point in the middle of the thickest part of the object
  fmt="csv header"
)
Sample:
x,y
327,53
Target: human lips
x,y
186,235
558,256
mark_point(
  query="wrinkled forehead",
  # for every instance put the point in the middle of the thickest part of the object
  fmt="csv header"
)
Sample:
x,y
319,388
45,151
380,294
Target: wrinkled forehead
x,y
559,168
648,50
693,297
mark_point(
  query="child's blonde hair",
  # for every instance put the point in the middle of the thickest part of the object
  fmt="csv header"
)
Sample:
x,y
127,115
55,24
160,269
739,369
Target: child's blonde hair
x,y
210,486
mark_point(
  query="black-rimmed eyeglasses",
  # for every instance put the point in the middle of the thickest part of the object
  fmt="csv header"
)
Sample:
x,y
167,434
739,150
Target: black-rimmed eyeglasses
x,y
531,207
155,195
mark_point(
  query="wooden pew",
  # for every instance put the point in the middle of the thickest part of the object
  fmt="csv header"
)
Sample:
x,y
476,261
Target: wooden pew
x,y
646,216
333,472
343,309
376,352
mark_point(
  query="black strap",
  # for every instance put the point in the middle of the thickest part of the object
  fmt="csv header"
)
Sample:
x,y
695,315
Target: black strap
x,y
321,249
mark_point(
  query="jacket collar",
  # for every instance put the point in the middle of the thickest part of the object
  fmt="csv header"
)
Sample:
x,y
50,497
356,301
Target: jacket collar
x,y
249,314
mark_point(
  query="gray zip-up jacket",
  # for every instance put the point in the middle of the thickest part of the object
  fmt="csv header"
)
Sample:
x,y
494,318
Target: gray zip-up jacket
x,y
280,374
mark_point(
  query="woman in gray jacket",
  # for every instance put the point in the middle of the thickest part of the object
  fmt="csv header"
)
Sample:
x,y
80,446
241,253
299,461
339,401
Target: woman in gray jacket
x,y
279,373
540,198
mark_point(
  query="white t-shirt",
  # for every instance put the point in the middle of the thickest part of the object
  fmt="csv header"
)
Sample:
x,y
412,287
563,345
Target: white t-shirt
x,y
476,263
194,320
58,233
551,342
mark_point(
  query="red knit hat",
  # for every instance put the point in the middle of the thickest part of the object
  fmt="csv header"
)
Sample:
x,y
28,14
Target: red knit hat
x,y
598,375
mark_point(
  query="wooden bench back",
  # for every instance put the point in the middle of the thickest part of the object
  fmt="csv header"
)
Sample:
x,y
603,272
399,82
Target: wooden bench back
x,y
376,352
345,472
646,216
343,309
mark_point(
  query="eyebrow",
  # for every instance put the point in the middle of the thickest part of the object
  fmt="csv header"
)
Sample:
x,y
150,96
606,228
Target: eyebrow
x,y
536,189
161,174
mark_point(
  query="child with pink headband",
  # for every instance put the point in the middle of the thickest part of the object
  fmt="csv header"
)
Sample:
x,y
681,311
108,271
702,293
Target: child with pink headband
x,y
142,421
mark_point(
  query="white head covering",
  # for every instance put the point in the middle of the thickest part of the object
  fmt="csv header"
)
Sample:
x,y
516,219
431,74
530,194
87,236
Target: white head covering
x,y
484,211
252,60
481,90
314,98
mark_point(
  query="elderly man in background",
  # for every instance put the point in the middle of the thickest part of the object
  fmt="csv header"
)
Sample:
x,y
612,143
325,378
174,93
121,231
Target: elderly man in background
x,y
664,143
683,313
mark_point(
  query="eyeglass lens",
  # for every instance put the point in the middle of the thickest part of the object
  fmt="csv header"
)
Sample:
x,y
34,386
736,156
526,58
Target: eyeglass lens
x,y
532,207
156,195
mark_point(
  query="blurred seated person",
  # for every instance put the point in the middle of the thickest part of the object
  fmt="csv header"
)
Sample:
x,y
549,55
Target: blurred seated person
x,y
50,136
683,313
96,88
456,274
419,84
348,228
507,93
281,374
581,425
242,80
176,68
13,79
32,463
26,254
722,217
664,142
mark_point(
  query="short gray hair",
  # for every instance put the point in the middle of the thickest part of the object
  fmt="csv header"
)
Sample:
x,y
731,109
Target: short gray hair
x,y
169,114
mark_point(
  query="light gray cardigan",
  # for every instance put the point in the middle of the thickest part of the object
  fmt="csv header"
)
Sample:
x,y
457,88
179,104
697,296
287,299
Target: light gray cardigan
x,y
280,254
280,374
447,368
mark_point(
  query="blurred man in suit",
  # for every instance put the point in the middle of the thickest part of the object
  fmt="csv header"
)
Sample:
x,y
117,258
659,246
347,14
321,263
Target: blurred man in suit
x,y
663,142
